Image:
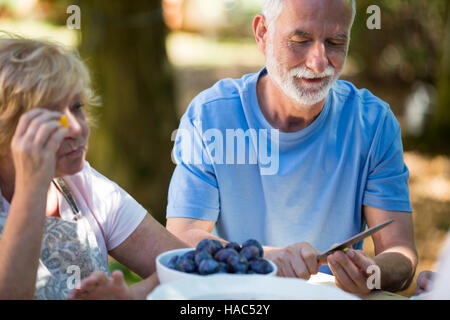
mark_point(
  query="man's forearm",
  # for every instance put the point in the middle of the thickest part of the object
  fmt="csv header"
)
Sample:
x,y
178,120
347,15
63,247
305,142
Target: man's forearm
x,y
194,236
398,266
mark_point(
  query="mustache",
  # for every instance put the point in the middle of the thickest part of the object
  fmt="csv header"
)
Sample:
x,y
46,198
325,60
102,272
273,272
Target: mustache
x,y
303,72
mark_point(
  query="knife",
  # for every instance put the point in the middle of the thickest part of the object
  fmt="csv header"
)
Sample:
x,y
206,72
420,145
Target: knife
x,y
354,239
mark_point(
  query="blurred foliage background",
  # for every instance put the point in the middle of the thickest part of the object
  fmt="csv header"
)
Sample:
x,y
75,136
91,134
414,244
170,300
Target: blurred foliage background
x,y
149,58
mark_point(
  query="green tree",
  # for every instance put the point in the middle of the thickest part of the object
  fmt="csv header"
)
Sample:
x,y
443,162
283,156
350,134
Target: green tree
x,y
124,46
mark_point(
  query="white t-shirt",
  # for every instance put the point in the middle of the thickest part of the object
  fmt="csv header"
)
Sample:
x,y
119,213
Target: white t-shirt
x,y
111,212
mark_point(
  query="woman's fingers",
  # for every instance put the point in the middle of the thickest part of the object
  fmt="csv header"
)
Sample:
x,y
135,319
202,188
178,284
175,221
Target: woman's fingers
x,y
45,132
54,142
99,286
25,120
38,121
118,279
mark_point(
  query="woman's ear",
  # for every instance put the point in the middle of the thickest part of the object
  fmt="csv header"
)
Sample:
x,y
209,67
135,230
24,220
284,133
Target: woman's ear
x,y
260,30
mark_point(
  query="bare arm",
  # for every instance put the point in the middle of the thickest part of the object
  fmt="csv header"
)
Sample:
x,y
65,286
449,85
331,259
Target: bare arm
x,y
34,145
138,252
394,247
20,245
192,231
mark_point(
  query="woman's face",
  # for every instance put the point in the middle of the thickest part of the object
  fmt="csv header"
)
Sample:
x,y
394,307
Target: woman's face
x,y
72,152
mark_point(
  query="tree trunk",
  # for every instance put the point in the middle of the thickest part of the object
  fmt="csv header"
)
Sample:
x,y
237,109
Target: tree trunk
x,y
441,123
123,43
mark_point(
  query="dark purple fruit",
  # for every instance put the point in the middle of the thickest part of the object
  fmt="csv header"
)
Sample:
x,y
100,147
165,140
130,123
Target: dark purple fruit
x,y
199,256
186,264
190,255
233,245
209,245
173,262
223,254
223,267
253,242
237,264
208,266
259,265
250,252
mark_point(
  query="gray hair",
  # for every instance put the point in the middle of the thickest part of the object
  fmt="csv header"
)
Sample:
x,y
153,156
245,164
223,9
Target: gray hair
x,y
273,8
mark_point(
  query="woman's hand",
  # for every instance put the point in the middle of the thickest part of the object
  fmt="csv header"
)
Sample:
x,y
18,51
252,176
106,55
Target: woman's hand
x,y
34,145
98,286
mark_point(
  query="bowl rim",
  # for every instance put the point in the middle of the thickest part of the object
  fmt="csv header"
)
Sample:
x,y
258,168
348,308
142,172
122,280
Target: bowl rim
x,y
183,250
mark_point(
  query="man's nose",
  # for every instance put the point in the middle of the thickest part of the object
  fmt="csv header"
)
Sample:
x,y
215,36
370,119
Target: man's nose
x,y
316,59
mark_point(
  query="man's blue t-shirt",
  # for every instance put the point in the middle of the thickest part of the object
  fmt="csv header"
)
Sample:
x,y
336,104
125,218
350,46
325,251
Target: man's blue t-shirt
x,y
282,188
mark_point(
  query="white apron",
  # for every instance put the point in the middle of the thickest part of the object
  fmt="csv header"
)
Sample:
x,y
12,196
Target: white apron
x,y
69,250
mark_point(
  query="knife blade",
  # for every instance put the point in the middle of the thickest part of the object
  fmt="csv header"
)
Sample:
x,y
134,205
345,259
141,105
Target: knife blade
x,y
354,239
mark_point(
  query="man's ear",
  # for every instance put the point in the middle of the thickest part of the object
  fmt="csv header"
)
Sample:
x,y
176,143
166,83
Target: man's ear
x,y
261,32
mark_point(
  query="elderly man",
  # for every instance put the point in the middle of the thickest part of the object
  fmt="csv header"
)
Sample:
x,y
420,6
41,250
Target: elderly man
x,y
336,160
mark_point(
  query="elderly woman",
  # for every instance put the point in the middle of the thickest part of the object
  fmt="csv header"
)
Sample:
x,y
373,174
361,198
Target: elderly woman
x,y
59,218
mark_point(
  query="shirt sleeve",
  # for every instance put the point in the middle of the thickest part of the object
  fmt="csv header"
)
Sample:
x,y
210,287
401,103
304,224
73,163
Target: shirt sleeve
x,y
116,211
387,183
193,190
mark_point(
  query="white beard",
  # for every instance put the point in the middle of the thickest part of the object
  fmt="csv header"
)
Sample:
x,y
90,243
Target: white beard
x,y
289,81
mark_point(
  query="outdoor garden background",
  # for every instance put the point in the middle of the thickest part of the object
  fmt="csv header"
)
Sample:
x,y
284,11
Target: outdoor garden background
x,y
149,58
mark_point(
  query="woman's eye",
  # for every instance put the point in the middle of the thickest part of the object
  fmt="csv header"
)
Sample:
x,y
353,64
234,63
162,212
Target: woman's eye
x,y
77,106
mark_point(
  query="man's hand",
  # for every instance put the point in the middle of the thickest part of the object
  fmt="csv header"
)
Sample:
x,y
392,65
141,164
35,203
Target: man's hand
x,y
424,282
350,270
297,261
98,286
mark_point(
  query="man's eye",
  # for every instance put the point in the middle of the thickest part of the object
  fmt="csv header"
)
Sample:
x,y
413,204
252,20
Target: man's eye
x,y
336,43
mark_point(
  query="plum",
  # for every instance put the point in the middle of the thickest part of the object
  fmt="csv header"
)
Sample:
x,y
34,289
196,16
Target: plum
x,y
237,264
172,262
253,242
190,255
223,267
250,252
223,254
199,256
233,245
185,264
209,245
260,265
208,266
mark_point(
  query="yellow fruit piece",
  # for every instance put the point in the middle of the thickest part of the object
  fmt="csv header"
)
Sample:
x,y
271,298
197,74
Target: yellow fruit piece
x,y
64,121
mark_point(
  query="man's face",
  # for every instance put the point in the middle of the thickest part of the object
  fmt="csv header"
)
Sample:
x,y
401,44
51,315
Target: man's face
x,y
306,53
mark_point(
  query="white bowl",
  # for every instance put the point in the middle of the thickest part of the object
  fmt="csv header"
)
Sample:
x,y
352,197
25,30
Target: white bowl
x,y
165,274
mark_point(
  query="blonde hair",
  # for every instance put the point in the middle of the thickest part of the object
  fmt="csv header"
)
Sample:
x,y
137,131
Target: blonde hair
x,y
37,73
